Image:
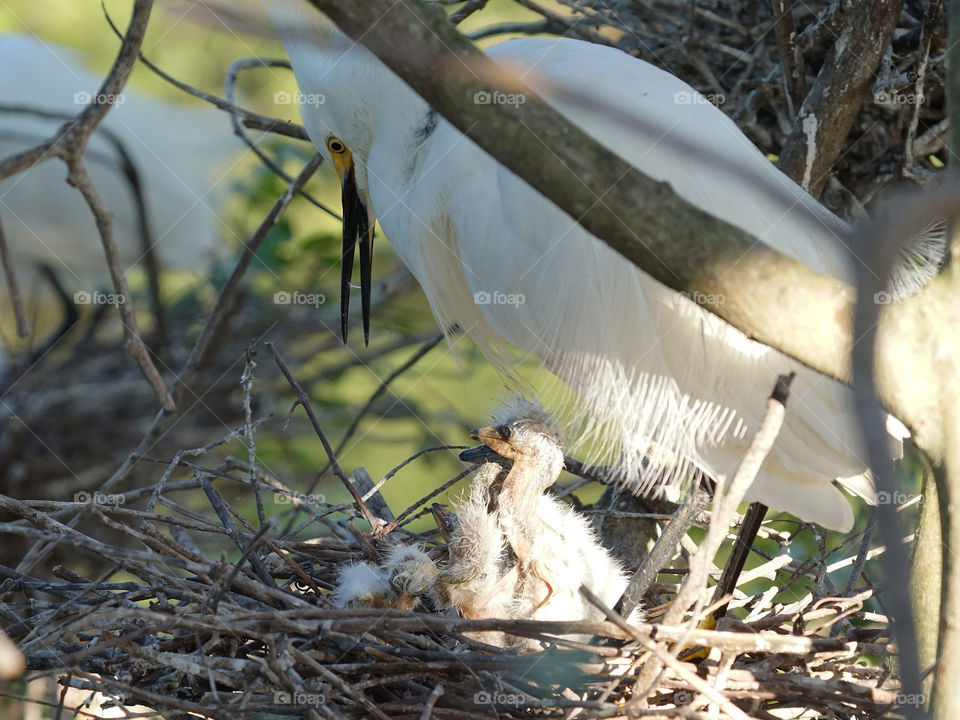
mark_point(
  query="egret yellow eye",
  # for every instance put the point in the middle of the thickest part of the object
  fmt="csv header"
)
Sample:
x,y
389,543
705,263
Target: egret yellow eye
x,y
335,146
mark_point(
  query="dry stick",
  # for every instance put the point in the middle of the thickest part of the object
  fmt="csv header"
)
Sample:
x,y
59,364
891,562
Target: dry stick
x,y
466,10
246,380
341,685
664,548
434,696
13,287
223,512
926,42
382,388
725,506
828,111
355,423
728,581
665,657
221,309
429,496
791,59
252,120
79,178
217,317
303,400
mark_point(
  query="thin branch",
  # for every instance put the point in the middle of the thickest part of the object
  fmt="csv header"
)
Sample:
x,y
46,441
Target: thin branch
x,y
303,400
13,287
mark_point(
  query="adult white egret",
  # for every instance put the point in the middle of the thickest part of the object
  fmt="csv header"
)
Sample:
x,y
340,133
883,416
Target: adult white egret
x,y
179,155
650,373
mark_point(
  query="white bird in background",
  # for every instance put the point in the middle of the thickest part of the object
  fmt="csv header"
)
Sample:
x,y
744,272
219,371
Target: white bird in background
x,y
180,154
647,372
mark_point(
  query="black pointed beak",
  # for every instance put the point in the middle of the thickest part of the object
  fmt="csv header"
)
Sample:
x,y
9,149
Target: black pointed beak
x,y
479,454
356,229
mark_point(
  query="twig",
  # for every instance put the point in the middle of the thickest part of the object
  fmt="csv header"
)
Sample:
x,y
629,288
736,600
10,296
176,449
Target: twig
x,y
69,144
663,549
303,400
246,64
13,287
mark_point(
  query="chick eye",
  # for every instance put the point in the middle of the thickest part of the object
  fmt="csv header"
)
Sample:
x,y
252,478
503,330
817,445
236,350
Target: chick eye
x,y
505,431
335,146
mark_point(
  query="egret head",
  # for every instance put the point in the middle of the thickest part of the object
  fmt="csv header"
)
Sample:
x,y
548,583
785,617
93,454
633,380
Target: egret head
x,y
528,435
342,90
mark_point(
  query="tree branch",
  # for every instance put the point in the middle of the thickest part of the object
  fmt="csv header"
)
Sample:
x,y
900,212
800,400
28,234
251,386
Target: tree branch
x,y
827,114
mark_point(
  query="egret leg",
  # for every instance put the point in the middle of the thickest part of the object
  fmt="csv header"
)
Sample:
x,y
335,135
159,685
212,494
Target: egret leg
x,y
738,555
549,593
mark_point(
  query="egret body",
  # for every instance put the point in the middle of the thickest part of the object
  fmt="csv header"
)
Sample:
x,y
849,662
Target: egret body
x,y
665,386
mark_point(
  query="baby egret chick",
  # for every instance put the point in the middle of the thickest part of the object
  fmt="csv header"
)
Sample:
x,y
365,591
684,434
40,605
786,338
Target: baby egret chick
x,y
404,576
555,548
360,584
411,573
481,579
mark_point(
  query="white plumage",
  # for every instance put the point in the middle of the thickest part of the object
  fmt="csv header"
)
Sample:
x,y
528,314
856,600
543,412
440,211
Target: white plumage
x,y
182,155
360,584
646,370
516,551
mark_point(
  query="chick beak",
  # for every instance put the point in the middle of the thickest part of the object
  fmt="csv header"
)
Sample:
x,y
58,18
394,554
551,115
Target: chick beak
x,y
358,226
479,454
492,438
443,519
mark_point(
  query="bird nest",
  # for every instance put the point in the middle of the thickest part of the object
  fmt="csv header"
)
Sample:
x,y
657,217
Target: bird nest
x,y
169,622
